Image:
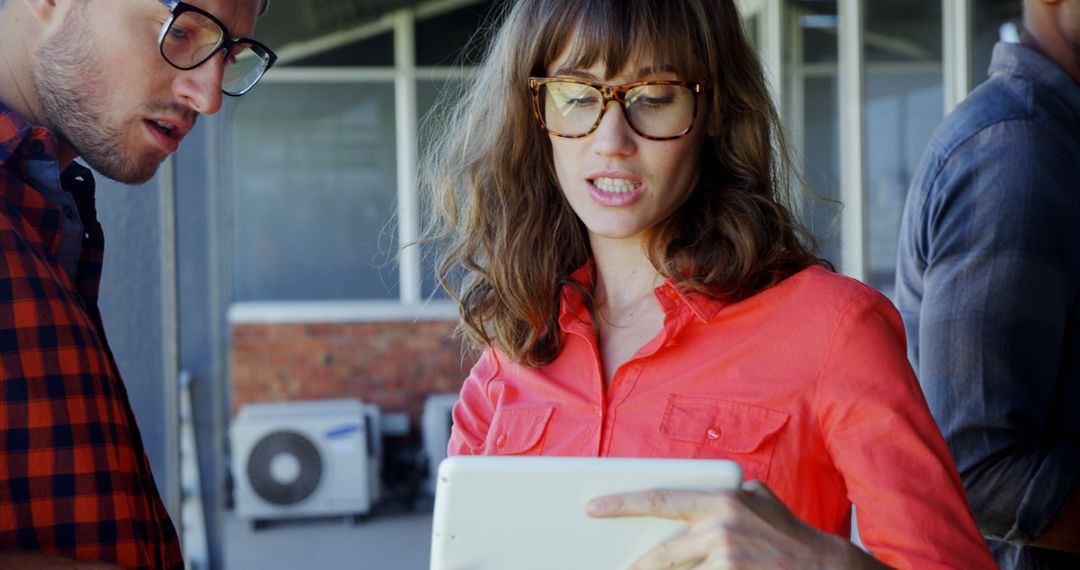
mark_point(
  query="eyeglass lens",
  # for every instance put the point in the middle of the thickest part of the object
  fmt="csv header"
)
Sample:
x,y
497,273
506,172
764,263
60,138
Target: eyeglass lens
x,y
659,111
192,38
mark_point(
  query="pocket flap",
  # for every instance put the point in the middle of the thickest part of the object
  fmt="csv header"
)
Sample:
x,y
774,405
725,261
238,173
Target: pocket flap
x,y
732,426
517,430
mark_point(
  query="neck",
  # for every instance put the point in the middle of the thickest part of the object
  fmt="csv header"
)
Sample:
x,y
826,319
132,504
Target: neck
x,y
18,42
1046,31
624,274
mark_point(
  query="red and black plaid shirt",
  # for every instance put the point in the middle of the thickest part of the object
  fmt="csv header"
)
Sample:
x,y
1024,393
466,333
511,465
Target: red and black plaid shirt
x,y
74,479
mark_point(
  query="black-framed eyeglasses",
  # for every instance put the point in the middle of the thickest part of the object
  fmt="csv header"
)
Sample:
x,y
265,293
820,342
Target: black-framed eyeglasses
x,y
657,110
191,36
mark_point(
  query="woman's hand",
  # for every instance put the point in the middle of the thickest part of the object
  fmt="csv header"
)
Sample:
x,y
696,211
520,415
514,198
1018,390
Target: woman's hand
x,y
732,529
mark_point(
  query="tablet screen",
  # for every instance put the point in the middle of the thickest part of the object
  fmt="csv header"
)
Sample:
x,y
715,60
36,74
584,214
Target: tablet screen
x,y
526,513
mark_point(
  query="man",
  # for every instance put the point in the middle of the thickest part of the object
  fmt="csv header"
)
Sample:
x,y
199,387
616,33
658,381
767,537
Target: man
x,y
988,283
119,83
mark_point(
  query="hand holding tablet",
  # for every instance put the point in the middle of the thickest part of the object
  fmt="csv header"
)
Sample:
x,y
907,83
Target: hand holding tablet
x,y
725,529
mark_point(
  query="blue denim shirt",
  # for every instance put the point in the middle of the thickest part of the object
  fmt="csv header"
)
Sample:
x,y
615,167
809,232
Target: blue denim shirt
x,y
988,284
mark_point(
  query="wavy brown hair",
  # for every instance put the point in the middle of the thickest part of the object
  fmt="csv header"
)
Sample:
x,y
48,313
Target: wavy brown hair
x,y
510,239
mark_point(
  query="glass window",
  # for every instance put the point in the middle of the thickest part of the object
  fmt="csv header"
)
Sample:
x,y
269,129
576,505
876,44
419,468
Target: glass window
x,y
375,51
428,94
753,31
904,102
992,21
314,192
441,39
812,116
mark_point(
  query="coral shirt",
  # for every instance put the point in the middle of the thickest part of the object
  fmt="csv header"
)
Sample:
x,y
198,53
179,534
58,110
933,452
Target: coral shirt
x,y
806,385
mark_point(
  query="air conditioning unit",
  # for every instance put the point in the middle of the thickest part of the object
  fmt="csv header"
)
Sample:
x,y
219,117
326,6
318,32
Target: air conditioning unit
x,y
301,459
435,424
373,431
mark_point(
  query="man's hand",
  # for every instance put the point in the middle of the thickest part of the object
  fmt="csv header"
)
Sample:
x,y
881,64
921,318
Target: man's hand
x,y
750,528
34,561
1064,531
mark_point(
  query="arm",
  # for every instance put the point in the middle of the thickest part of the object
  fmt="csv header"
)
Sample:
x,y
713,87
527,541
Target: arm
x,y
474,410
35,561
997,287
74,481
881,438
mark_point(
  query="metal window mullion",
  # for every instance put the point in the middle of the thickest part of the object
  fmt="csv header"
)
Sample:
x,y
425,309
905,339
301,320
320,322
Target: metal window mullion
x,y
407,132
956,42
170,331
330,74
774,48
852,64
795,101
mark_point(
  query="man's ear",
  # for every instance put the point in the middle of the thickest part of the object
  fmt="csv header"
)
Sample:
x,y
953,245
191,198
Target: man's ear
x,y
48,12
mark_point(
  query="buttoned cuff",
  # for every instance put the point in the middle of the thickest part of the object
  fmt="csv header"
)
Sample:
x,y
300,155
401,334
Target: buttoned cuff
x,y
1049,491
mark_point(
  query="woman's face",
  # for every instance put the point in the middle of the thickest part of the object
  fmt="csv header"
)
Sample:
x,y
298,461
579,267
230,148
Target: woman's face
x,y
619,183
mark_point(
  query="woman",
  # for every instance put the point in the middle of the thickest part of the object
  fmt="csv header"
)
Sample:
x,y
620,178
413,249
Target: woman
x,y
609,194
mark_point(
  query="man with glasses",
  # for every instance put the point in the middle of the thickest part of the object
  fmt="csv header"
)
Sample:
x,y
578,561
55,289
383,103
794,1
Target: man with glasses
x,y
118,83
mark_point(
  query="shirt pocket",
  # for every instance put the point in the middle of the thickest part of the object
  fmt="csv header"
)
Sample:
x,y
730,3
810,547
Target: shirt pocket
x,y
718,429
518,431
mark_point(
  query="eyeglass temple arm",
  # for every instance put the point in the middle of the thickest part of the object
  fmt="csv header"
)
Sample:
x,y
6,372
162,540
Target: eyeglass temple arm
x,y
171,4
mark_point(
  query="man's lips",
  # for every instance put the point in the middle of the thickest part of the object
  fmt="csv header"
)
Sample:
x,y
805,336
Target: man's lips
x,y
167,132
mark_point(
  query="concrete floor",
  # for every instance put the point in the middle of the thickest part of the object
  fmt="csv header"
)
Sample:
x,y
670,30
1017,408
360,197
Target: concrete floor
x,y
391,541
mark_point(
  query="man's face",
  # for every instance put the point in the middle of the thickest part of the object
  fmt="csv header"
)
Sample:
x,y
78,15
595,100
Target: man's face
x,y
105,88
1073,29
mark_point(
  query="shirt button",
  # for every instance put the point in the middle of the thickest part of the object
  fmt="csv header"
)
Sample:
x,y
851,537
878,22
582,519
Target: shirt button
x,y
598,411
713,433
501,441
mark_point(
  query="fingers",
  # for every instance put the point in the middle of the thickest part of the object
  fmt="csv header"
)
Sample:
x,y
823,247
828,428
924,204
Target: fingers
x,y
679,552
663,503
758,488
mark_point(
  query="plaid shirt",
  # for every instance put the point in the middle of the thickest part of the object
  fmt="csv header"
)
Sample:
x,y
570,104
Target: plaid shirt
x,y
74,479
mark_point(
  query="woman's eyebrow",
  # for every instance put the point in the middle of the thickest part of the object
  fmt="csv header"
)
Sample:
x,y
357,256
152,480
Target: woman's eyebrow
x,y
569,72
643,71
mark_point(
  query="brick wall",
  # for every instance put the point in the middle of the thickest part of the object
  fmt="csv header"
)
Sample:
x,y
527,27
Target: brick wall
x,y
392,364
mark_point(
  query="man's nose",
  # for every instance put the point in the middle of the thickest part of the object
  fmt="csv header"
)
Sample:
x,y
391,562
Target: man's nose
x,y
200,88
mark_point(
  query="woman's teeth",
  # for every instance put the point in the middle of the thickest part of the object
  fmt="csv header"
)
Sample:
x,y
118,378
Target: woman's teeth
x,y
615,185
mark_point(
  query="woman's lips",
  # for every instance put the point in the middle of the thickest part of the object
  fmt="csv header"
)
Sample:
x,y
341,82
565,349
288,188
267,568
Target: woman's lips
x,y
615,191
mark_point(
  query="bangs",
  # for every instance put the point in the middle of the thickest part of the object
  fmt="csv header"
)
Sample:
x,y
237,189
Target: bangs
x,y
669,34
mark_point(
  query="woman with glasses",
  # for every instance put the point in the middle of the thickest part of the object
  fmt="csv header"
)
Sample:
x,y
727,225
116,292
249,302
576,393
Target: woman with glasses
x,y
611,191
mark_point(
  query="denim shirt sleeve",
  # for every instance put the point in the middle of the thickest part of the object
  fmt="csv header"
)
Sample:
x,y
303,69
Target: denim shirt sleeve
x,y
987,280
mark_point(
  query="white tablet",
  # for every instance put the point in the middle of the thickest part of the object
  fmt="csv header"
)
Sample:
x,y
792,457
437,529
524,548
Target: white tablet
x,y
528,513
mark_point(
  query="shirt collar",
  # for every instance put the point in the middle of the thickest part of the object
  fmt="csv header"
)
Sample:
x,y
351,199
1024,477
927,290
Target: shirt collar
x,y
669,295
13,131
1022,61
20,141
